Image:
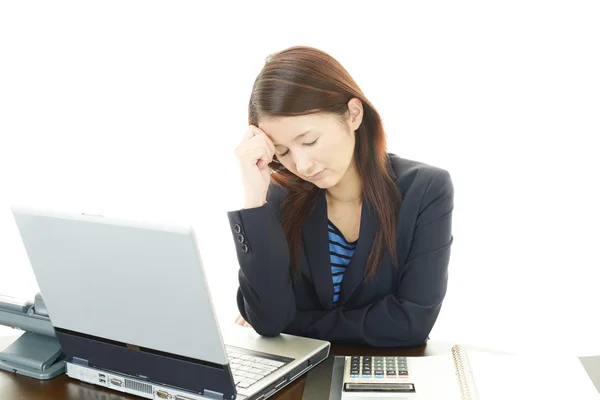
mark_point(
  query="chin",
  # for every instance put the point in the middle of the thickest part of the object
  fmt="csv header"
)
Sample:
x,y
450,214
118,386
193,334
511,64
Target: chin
x,y
320,185
325,183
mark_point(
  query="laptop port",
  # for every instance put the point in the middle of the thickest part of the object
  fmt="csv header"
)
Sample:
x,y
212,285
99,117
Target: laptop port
x,y
102,380
116,382
162,394
102,376
180,397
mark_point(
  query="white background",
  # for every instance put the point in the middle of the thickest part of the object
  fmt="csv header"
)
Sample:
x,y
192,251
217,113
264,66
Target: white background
x,y
134,109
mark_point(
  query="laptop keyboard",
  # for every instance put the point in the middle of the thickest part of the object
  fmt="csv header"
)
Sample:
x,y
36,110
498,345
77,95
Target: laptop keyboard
x,y
248,369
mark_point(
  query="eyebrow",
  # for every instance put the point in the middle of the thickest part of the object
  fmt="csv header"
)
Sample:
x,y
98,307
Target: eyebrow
x,y
300,136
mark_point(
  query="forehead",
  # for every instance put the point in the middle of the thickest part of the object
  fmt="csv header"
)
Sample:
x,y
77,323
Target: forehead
x,y
284,129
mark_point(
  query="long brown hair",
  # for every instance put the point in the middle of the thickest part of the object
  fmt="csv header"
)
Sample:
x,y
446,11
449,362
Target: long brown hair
x,y
302,80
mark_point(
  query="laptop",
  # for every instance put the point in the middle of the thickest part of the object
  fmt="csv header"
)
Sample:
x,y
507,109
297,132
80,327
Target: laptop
x,y
132,311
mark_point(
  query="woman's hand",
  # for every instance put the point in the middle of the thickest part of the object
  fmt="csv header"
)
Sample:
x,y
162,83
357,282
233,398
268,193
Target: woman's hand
x,y
241,321
254,154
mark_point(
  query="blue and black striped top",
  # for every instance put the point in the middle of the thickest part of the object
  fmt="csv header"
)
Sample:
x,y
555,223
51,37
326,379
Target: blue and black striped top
x,y
340,254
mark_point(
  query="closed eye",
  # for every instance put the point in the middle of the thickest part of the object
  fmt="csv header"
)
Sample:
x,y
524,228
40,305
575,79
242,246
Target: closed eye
x,y
304,144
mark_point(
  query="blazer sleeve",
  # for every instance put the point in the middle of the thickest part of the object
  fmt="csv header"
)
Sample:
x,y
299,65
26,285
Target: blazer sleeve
x,y
265,296
406,318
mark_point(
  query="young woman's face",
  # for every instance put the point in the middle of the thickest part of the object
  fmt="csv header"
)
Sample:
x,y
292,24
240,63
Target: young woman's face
x,y
318,148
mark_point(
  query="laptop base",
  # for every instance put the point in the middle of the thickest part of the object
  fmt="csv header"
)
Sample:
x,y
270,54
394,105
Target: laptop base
x,y
129,385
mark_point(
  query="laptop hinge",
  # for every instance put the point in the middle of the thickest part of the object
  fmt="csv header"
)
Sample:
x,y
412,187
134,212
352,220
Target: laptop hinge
x,y
213,395
81,361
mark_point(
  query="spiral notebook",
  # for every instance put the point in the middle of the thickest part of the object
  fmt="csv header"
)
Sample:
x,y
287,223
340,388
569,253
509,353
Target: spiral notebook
x,y
484,376
469,375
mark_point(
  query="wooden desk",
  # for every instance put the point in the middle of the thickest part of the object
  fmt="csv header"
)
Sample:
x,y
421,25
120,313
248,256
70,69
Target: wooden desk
x,y
18,387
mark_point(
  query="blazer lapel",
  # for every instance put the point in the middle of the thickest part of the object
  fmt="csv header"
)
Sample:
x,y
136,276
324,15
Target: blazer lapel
x,y
355,271
316,246
369,225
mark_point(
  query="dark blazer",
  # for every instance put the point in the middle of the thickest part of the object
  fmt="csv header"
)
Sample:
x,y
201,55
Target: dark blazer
x,y
396,308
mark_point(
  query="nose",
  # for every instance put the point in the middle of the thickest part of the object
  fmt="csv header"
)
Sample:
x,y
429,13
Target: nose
x,y
304,164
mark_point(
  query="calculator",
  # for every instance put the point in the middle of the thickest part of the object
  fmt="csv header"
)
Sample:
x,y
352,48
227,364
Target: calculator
x,y
378,374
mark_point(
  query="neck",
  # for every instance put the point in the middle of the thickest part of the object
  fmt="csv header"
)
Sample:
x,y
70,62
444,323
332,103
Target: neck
x,y
349,189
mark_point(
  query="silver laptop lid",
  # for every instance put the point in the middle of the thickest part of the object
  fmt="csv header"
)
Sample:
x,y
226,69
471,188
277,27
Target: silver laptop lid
x,y
127,281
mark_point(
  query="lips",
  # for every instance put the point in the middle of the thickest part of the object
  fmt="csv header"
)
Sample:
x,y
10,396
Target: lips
x,y
317,175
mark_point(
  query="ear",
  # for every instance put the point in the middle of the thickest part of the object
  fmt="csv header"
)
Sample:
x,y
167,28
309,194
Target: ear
x,y
355,113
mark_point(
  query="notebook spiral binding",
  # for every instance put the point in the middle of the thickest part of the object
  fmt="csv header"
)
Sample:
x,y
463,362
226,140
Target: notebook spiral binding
x,y
468,390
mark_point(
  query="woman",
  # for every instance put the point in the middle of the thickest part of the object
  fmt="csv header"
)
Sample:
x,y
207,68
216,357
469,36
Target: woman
x,y
338,239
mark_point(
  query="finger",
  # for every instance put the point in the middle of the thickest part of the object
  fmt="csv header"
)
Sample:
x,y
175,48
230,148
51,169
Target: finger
x,y
271,148
265,159
252,154
263,141
259,132
250,132
247,325
269,142
254,130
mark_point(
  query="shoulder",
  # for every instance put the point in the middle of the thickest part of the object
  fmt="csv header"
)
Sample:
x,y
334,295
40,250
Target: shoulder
x,y
418,181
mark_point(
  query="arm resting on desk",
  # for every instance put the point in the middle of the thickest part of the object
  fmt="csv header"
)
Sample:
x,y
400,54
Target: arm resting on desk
x,y
265,297
391,322
405,318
